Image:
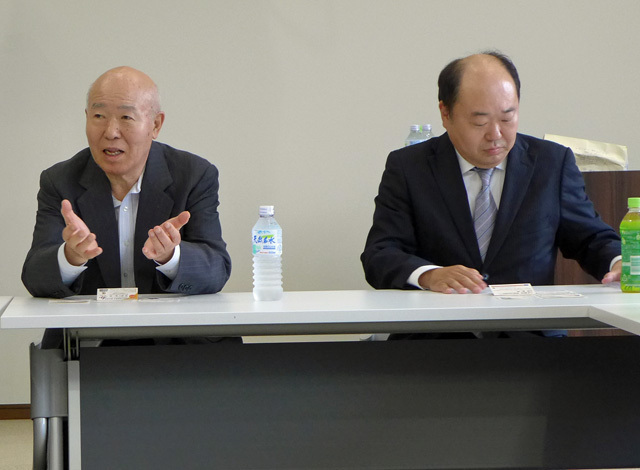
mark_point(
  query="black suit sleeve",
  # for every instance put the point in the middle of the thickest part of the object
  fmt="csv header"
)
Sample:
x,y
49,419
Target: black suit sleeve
x,y
582,235
205,265
40,272
389,256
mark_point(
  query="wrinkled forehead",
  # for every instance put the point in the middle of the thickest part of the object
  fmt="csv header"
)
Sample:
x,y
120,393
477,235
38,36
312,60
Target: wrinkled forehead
x,y
110,105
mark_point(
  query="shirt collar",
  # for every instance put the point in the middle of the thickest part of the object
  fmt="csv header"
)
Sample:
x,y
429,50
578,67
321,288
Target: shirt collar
x,y
135,189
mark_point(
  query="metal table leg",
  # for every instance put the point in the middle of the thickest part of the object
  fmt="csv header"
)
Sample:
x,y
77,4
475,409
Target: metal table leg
x,y
39,443
49,398
55,444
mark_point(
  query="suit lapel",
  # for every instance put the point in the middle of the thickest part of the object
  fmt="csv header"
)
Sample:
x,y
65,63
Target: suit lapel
x,y
446,171
154,208
96,209
520,165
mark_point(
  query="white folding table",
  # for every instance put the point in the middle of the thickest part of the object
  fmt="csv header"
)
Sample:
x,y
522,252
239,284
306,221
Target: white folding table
x,y
394,404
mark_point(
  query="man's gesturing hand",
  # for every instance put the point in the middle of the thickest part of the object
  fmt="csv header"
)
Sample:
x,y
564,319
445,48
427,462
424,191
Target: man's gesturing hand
x,y
164,238
81,244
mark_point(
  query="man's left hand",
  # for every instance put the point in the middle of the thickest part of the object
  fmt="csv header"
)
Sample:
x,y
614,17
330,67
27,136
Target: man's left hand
x,y
164,238
614,274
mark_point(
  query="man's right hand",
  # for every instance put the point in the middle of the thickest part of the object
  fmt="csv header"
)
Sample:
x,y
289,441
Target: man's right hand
x,y
81,244
452,279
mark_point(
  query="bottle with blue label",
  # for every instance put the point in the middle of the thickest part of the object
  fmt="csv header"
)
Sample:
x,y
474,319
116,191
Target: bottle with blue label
x,y
267,256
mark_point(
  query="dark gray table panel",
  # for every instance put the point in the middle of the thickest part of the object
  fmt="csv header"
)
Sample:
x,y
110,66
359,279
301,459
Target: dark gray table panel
x,y
503,403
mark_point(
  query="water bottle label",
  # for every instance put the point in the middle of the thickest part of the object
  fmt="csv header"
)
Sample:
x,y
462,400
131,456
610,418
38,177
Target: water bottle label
x,y
266,242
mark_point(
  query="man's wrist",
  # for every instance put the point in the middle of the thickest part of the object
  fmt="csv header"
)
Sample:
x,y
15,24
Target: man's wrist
x,y
414,279
68,271
170,268
614,261
72,258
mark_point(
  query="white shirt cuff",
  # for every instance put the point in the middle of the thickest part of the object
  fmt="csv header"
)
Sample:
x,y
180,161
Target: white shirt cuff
x,y
614,261
415,276
170,268
68,271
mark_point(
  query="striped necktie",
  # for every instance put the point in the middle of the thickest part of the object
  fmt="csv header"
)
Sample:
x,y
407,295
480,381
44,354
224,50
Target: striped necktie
x,y
484,215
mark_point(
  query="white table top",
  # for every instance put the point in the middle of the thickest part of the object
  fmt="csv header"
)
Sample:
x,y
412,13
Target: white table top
x,y
625,317
364,311
4,301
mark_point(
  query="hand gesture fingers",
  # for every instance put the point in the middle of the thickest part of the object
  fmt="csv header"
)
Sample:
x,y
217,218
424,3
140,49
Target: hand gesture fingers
x,y
180,220
87,246
69,216
80,244
164,238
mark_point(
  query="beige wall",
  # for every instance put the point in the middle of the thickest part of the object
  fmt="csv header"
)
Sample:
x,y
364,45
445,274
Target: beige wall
x,y
297,102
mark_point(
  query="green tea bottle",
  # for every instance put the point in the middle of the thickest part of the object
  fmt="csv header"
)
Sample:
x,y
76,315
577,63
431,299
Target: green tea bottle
x,y
630,234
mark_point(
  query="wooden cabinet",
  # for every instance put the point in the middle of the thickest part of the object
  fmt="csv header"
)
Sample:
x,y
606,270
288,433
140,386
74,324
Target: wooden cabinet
x,y
609,191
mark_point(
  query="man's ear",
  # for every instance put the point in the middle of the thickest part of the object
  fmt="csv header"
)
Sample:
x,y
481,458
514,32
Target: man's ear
x,y
445,114
157,124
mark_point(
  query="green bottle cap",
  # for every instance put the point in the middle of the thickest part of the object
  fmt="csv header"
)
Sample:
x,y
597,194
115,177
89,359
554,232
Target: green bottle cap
x,y
634,202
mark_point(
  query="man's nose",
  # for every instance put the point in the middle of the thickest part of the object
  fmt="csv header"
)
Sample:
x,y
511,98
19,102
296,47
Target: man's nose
x,y
113,130
494,132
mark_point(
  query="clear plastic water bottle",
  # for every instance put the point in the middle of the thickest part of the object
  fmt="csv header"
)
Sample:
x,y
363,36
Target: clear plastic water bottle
x,y
426,132
267,256
630,234
414,136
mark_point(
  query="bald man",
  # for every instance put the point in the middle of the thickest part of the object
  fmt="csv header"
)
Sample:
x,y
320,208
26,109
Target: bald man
x,y
437,225
127,211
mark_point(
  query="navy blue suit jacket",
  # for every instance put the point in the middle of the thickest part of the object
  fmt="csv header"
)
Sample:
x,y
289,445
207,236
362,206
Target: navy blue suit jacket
x,y
422,217
173,181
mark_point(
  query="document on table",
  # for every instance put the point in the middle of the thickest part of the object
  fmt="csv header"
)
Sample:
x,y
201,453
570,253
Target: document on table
x,y
517,291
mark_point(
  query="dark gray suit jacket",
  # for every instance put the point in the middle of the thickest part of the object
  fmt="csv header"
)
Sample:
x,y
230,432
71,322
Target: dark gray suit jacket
x,y
174,181
422,217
